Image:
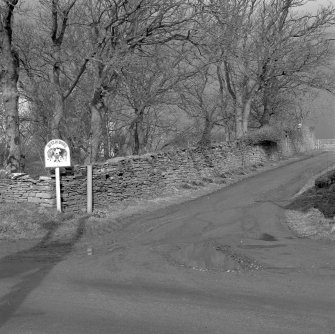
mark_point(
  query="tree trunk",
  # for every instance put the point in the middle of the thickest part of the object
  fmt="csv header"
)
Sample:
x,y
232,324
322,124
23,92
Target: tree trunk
x,y
96,107
265,119
138,132
105,135
10,102
267,110
59,101
59,19
57,116
127,146
206,134
238,124
9,65
246,114
239,118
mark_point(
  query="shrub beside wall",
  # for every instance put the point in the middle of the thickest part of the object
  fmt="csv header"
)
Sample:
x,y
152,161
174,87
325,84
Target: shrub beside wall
x,y
146,176
283,141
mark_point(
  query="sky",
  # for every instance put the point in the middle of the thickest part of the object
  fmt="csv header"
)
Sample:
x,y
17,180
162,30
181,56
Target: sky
x,y
314,4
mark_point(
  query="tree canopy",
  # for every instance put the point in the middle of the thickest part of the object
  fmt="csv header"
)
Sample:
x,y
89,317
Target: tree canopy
x,y
118,77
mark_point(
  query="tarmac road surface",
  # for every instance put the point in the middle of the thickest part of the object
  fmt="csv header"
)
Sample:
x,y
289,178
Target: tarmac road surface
x,y
223,263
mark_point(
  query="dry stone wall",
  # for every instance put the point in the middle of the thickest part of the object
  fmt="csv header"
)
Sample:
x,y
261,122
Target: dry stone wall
x,y
22,188
152,175
146,176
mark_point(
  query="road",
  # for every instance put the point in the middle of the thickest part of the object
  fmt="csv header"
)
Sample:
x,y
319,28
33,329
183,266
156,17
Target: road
x,y
222,263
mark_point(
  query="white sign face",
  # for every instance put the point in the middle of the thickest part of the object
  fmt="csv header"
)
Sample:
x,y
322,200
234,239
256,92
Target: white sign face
x,y
57,154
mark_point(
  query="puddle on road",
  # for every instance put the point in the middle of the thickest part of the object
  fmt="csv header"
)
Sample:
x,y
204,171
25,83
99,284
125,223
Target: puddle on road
x,y
261,246
267,237
281,270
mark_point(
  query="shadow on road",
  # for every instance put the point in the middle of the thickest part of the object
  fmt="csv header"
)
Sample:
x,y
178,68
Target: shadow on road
x,y
27,268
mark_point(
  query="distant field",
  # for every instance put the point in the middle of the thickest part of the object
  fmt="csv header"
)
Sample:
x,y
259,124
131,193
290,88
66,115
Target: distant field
x,y
326,144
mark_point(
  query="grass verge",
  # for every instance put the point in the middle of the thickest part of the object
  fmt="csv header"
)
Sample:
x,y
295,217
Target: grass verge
x,y
27,221
311,213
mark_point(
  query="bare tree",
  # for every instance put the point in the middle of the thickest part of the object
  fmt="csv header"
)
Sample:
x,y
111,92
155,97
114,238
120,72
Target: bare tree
x,y
149,82
265,46
119,28
297,54
54,56
201,100
59,23
9,75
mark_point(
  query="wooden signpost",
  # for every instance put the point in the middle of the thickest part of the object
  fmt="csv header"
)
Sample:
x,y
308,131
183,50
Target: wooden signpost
x,y
89,189
56,155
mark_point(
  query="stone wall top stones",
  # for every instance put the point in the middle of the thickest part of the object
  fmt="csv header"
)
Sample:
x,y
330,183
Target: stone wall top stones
x,y
145,176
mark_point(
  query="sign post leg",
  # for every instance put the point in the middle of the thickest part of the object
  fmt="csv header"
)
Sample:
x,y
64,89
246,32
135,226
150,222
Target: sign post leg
x,y
89,189
58,199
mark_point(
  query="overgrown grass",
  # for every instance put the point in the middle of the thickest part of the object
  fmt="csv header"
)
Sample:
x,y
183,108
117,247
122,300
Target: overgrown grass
x,y
27,221
322,199
311,214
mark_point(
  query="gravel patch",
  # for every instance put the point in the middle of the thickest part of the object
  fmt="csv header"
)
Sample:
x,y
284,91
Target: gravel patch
x,y
213,256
